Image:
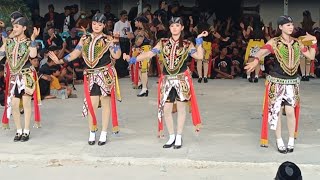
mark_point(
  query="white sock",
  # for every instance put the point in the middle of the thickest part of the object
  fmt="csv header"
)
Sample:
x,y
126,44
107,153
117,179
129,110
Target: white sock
x,y
92,136
19,131
248,76
27,131
280,143
291,142
103,136
256,76
171,139
178,140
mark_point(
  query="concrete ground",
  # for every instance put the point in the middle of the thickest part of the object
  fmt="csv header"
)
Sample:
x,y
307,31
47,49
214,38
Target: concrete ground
x,y
226,148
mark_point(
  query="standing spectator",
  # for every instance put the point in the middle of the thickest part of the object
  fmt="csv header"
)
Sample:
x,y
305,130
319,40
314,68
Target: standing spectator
x,y
108,14
51,16
123,28
75,12
65,21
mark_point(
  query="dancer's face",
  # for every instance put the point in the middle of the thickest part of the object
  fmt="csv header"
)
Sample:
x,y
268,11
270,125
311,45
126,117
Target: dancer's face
x,y
17,30
287,28
97,27
176,28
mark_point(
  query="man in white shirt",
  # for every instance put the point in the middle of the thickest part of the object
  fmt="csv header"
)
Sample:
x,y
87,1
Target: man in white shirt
x,y
123,28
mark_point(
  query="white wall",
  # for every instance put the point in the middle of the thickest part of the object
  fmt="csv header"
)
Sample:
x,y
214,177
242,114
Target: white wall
x,y
270,10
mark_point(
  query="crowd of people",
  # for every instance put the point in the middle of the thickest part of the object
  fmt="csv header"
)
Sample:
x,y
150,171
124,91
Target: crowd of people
x,y
76,47
227,48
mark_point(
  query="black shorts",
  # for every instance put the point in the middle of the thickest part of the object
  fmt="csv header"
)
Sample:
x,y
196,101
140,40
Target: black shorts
x,y
173,96
96,91
17,94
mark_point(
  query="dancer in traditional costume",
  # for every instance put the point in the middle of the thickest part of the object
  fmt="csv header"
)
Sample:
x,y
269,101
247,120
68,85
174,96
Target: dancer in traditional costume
x,y
100,77
282,85
21,77
175,84
142,43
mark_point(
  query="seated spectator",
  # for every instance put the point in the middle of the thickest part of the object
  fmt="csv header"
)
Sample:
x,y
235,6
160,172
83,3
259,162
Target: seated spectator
x,y
269,63
45,79
288,171
56,89
222,65
2,85
237,63
51,36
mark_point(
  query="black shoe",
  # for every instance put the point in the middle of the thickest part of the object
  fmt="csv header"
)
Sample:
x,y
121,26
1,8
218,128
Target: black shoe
x,y
91,142
168,145
250,79
205,80
17,137
199,80
303,78
144,94
25,137
255,80
177,146
307,78
22,111
101,143
283,149
290,149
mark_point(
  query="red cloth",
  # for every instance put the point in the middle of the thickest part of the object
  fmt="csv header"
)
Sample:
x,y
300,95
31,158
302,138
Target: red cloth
x,y
5,120
37,116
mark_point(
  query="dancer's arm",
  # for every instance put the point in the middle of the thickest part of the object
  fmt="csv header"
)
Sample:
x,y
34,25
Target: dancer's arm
x,y
115,49
33,46
69,57
264,51
145,55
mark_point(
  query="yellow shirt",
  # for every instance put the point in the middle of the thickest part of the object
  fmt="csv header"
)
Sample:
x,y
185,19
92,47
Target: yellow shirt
x,y
55,84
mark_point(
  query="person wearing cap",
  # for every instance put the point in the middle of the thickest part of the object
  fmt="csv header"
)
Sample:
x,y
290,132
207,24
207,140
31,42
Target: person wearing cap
x,y
288,171
142,43
100,77
282,85
21,76
124,28
175,83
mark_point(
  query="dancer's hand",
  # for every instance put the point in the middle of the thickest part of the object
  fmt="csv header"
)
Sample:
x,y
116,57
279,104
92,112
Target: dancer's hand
x,y
55,58
126,57
116,37
250,67
309,37
35,34
203,34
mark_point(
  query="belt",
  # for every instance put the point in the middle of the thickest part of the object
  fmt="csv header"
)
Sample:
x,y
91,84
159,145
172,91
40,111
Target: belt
x,y
175,77
97,70
283,81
